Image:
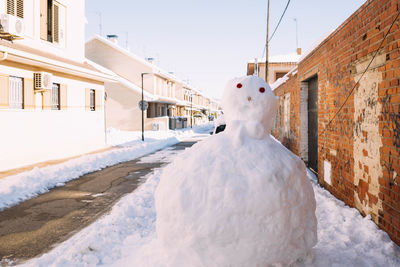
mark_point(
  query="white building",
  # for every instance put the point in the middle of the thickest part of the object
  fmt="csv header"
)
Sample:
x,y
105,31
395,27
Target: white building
x,y
168,97
51,99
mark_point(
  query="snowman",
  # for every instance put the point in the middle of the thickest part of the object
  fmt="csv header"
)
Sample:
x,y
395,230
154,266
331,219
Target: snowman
x,y
238,198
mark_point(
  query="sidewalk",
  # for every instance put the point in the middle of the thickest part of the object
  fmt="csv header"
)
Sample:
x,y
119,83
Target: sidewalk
x,y
4,174
28,182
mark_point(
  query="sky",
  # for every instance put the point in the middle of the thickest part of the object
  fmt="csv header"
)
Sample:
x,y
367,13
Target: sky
x,y
208,42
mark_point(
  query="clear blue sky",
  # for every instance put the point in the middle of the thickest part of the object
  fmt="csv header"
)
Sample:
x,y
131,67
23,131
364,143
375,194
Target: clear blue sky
x,y
210,41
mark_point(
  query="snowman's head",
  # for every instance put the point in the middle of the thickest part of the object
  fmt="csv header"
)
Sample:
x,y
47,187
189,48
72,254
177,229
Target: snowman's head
x,y
249,98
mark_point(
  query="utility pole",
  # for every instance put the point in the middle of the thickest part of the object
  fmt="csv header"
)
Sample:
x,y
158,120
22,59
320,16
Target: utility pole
x,y
266,46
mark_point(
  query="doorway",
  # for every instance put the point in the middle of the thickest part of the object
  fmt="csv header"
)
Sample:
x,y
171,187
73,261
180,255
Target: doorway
x,y
313,123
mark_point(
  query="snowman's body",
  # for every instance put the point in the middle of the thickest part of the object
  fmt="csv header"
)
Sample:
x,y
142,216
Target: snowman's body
x,y
238,198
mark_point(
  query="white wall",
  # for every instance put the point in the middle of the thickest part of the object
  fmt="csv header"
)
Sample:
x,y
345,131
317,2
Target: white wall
x,y
35,136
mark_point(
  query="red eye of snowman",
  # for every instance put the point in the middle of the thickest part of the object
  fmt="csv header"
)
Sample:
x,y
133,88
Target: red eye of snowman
x,y
262,89
239,85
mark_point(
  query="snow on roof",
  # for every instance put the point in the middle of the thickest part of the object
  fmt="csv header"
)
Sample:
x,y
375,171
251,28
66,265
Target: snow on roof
x,y
121,80
288,58
156,70
282,80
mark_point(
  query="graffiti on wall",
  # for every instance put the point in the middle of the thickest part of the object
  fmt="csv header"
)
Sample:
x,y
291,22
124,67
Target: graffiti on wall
x,y
367,142
391,117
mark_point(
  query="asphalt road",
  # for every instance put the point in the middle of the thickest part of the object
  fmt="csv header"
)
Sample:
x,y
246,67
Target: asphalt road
x,y
37,225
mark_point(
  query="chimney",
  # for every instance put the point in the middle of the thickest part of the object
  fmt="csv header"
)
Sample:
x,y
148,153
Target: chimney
x,y
150,60
113,38
299,51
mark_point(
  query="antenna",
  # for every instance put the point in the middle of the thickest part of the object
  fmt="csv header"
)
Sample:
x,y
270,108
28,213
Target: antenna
x,y
100,24
127,40
297,36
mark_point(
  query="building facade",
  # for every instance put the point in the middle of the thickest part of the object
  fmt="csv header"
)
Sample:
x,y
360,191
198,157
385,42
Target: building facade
x,y
278,66
169,99
51,99
339,111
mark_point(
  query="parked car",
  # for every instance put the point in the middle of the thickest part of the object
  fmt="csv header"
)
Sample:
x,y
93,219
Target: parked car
x,y
219,124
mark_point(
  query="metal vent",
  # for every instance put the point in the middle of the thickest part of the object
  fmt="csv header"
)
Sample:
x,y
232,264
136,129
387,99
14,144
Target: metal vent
x,y
20,9
38,80
11,7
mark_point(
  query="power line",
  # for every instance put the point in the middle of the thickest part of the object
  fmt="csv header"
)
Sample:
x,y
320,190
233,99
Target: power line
x,y
276,28
279,22
362,75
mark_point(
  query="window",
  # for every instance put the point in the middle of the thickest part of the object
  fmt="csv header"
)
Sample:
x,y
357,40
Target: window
x,y
52,16
55,97
16,92
92,100
279,75
15,8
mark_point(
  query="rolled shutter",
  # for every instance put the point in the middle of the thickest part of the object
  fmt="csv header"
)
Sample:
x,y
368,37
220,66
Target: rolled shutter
x,y
64,97
87,98
99,99
47,99
29,94
56,19
43,20
4,91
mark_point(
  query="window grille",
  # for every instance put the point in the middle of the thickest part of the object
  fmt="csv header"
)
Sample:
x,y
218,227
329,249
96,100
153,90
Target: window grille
x,y
92,99
16,92
55,97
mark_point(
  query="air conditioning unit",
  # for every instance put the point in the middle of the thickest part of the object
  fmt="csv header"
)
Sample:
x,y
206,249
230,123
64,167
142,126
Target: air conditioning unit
x,y
43,80
12,25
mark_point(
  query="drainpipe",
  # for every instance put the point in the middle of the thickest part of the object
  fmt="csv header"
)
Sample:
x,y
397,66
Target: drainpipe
x,y
4,57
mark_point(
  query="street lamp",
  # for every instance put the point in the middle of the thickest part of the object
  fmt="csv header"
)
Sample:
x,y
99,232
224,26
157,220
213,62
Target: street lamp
x,y
191,108
142,105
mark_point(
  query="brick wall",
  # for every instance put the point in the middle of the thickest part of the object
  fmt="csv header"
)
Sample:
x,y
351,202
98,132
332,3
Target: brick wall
x,y
359,152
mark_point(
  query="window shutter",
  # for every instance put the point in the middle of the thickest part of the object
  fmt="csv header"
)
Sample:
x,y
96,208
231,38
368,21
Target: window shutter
x,y
99,99
64,96
4,91
56,19
43,20
11,7
29,94
47,99
61,25
20,8
87,98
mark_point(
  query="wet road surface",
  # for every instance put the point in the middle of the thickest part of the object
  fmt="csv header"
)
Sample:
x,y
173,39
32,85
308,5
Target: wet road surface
x,y
37,225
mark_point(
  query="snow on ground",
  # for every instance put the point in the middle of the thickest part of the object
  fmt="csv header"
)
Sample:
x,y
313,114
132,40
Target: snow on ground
x,y
128,146
127,236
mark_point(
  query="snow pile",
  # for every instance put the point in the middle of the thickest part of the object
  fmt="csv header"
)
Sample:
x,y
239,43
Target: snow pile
x,y
248,202
288,58
17,188
127,236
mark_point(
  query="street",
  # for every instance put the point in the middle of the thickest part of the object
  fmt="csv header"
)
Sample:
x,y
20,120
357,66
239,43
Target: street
x,y
37,225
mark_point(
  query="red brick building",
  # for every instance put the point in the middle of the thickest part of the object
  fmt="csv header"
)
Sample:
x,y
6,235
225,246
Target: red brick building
x,y
357,155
